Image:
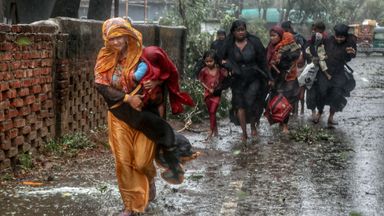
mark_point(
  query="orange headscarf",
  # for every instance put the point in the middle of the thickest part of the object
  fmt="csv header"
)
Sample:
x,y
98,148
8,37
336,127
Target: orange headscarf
x,y
107,57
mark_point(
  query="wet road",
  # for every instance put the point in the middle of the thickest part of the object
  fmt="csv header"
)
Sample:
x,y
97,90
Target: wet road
x,y
340,172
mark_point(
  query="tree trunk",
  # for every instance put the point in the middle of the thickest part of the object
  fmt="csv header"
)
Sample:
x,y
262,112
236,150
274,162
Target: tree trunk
x,y
265,10
99,9
66,8
117,7
1,11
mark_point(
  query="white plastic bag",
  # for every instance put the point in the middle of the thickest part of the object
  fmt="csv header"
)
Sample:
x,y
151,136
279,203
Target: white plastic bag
x,y
307,77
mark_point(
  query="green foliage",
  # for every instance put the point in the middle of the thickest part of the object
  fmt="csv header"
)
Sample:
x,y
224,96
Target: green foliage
x,y
353,213
25,161
68,145
196,176
102,188
6,177
257,27
23,41
311,135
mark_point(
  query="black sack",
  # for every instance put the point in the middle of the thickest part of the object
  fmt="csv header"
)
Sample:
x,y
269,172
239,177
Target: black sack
x,y
350,83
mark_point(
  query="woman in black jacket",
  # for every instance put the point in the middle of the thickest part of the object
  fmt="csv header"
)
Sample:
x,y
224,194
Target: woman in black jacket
x,y
340,49
244,55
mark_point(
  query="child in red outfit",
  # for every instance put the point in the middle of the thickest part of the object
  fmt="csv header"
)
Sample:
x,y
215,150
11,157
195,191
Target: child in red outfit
x,y
210,76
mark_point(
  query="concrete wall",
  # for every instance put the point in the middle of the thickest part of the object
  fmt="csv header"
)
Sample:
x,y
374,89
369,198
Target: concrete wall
x,y
47,82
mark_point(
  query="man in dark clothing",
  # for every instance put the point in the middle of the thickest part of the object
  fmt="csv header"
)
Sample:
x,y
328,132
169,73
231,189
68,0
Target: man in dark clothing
x,y
340,49
215,45
218,43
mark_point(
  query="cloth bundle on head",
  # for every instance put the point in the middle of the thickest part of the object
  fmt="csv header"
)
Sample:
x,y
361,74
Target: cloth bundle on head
x,y
117,27
341,30
279,30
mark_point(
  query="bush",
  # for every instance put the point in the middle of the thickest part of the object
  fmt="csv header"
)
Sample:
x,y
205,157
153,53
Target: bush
x,y
68,145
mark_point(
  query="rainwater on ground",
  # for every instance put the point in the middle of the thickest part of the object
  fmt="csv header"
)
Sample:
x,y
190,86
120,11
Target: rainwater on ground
x,y
312,171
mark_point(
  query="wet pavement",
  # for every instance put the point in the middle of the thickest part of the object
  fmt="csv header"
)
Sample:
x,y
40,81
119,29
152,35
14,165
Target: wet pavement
x,y
315,171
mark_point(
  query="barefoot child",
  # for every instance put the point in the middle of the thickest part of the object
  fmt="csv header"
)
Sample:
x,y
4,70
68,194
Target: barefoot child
x,y
210,76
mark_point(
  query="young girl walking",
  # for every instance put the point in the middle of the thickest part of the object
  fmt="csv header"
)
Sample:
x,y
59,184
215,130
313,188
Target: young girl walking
x,y
210,76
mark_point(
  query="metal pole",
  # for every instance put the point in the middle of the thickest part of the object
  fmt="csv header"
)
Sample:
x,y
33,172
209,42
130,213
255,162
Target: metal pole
x,y
145,11
126,8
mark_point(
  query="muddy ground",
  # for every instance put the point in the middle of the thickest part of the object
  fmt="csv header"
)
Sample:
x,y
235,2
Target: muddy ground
x,y
314,171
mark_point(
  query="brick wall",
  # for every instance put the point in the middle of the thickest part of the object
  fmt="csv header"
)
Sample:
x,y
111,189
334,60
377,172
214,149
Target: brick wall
x,y
26,83
47,83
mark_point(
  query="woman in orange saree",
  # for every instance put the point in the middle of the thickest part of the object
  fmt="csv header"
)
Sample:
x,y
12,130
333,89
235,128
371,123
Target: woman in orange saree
x,y
132,150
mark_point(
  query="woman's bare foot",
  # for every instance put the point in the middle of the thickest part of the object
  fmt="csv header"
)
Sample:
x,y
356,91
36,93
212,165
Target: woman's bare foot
x,y
254,132
216,133
316,119
210,134
244,138
285,129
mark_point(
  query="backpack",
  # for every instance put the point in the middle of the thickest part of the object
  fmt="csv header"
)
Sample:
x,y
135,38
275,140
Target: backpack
x,y
278,109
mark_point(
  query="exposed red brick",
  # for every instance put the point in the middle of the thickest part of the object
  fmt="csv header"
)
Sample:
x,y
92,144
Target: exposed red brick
x,y
43,132
12,152
49,122
17,55
29,99
35,81
35,55
42,114
25,147
20,74
26,130
2,155
17,102
6,163
31,118
15,65
5,144
46,71
11,93
26,110
3,66
35,107
37,125
31,136
5,27
15,84
43,97
4,86
27,83
7,46
36,89
4,104
6,56
6,125
11,113
29,72
18,141
12,133
23,92
2,115
18,122
47,88
46,63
